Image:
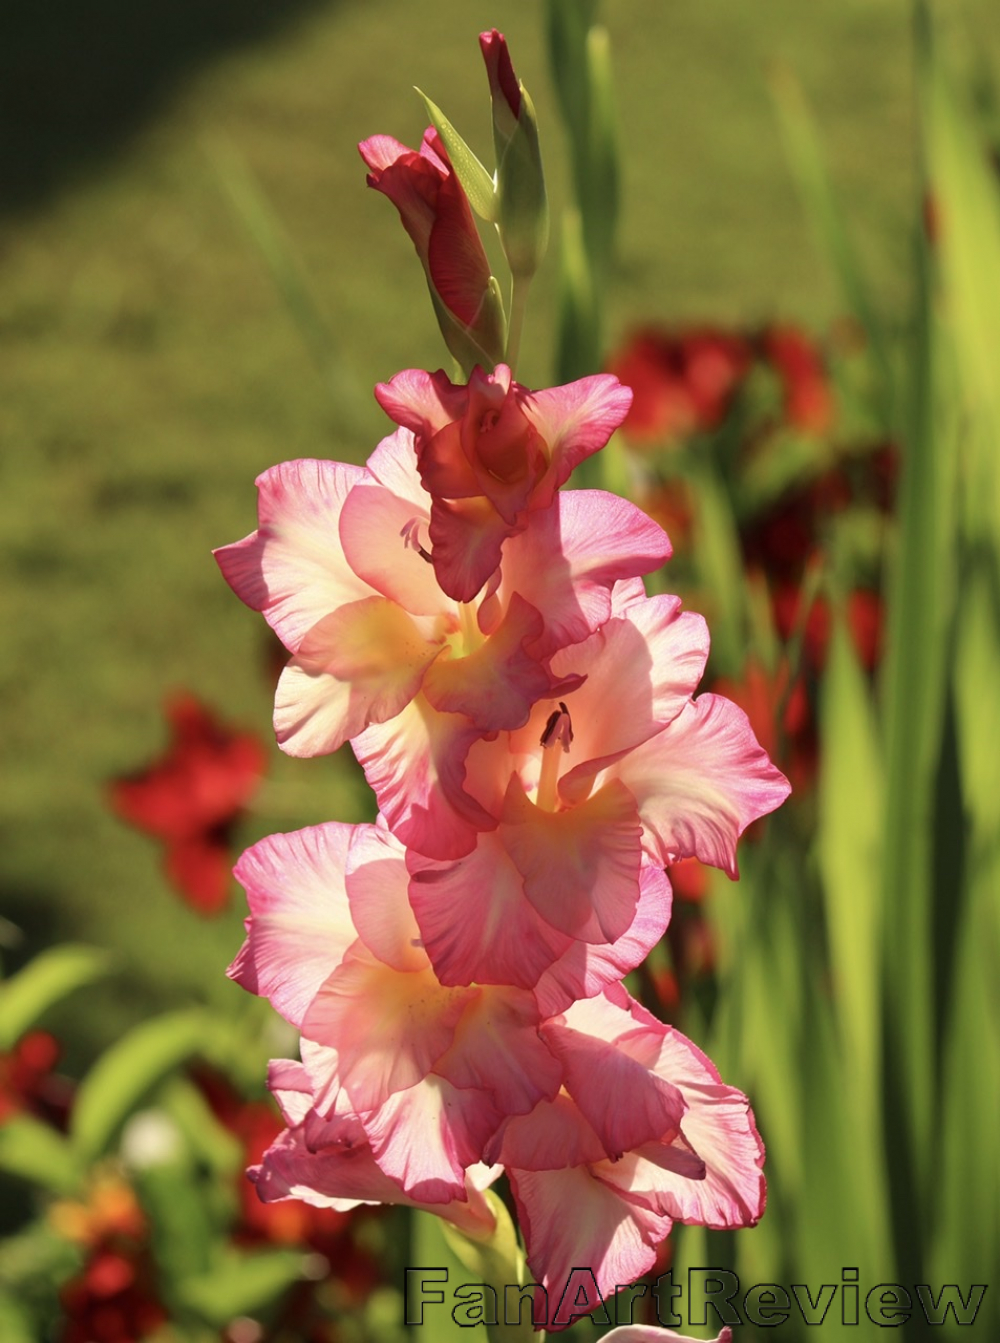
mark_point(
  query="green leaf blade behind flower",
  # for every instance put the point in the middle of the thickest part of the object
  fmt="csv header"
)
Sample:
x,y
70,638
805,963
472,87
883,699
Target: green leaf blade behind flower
x,y
35,1152
126,1072
43,982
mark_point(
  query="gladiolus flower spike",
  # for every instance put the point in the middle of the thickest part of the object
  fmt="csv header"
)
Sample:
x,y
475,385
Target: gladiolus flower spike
x,y
529,722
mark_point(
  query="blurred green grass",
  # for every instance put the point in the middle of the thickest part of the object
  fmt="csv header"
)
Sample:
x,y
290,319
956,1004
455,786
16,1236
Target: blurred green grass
x,y
150,372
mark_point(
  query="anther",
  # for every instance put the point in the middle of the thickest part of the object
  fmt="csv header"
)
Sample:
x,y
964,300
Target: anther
x,y
410,532
558,728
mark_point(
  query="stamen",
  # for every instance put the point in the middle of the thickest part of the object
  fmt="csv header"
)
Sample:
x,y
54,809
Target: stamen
x,y
410,532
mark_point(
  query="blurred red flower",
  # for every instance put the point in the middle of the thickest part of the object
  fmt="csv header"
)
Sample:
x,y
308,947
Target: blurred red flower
x,y
111,1300
682,381
28,1084
808,398
192,797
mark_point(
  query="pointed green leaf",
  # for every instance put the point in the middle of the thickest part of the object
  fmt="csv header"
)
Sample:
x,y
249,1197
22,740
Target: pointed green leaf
x,y
242,1284
805,156
125,1073
849,845
15,1324
42,982
476,181
34,1151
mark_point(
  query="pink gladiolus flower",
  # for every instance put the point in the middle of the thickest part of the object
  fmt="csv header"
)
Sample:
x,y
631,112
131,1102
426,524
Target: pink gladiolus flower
x,y
428,1072
625,768
338,566
688,1149
492,452
435,213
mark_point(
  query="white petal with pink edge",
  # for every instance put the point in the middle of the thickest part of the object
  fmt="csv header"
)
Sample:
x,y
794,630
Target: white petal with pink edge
x,y
293,569
700,782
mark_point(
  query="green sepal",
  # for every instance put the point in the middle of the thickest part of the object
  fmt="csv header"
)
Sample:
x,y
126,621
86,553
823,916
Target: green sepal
x,y
523,215
476,181
486,344
497,1261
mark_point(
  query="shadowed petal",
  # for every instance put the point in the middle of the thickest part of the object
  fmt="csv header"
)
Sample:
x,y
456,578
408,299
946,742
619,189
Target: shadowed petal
x,y
569,556
496,685
586,967
614,1239
426,1137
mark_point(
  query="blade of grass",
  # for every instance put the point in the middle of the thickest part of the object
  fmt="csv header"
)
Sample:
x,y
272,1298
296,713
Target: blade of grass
x,y
802,145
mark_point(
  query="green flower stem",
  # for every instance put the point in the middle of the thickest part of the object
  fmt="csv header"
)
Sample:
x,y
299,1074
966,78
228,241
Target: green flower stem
x,y
520,285
499,1262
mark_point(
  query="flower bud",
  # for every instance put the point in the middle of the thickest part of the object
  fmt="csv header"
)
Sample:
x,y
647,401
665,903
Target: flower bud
x,y
435,212
523,215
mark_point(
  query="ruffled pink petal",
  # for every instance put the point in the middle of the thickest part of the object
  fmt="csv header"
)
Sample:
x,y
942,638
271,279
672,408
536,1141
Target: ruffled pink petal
x,y
585,968
700,782
387,1028
291,1086
476,924
577,419
498,1049
422,402
580,867
375,527
300,926
598,1075
569,556
496,685
426,1137
337,1177
359,665
652,1333
292,569
612,1238
342,1176
415,764
376,882
288,1083
719,1126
